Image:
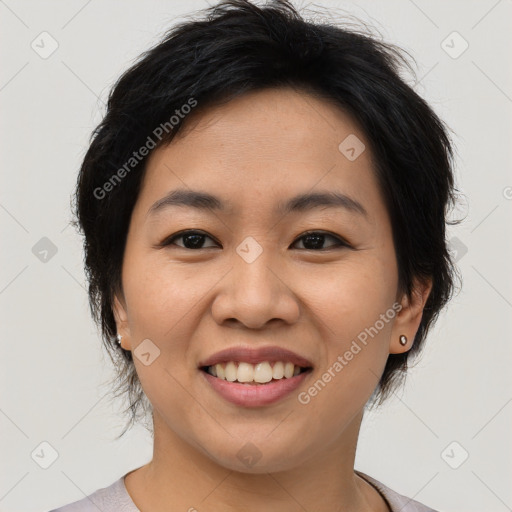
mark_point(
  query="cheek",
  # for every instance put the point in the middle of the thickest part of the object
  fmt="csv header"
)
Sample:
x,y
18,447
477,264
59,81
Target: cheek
x,y
160,294
352,294
355,360
355,309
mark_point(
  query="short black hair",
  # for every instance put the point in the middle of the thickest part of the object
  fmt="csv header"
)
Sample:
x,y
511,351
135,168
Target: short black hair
x,y
237,47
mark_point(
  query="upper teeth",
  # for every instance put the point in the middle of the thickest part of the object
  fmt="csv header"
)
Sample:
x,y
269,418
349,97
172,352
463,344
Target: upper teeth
x,y
246,372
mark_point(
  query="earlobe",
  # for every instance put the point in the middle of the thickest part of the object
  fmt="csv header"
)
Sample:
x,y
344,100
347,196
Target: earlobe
x,y
409,317
121,318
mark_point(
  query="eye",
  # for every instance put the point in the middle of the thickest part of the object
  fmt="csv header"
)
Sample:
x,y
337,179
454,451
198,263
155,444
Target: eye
x,y
315,239
192,239
312,240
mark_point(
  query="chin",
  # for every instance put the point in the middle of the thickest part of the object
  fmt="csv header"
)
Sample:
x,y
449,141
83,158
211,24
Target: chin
x,y
258,466
255,454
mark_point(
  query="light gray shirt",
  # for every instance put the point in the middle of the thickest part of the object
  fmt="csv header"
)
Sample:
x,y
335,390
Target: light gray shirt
x,y
115,498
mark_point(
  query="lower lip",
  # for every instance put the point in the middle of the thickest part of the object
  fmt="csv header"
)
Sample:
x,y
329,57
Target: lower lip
x,y
255,395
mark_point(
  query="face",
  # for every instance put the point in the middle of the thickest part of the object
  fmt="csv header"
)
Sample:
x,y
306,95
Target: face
x,y
318,279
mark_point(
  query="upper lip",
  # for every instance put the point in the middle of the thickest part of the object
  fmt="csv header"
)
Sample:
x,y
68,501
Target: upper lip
x,y
252,355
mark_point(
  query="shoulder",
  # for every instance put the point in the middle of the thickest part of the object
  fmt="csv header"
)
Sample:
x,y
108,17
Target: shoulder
x,y
113,498
397,502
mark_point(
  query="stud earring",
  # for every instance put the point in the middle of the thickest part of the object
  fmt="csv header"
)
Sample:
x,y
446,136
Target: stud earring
x,y
119,338
403,340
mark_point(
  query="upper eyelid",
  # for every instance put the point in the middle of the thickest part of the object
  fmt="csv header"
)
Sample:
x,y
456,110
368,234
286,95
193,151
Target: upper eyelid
x,y
187,232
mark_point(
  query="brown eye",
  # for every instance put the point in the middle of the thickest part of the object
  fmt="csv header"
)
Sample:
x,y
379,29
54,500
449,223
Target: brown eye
x,y
314,240
191,239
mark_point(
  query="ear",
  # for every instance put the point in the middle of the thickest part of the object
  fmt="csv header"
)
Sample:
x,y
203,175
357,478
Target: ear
x,y
121,317
408,319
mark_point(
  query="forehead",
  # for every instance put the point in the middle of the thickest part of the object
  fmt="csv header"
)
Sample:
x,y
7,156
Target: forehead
x,y
263,146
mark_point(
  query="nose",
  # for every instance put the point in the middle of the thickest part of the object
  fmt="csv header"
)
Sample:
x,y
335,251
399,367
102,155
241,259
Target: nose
x,y
255,294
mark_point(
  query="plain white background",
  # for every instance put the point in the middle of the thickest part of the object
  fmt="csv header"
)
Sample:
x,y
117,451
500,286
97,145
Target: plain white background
x,y
53,369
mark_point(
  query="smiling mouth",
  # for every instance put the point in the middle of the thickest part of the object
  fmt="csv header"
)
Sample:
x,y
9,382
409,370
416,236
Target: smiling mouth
x,y
255,374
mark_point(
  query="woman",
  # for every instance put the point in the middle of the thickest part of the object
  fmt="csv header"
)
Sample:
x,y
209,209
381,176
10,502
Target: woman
x,y
263,208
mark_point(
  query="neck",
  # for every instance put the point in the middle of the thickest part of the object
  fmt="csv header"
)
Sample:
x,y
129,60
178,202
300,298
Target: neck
x,y
182,475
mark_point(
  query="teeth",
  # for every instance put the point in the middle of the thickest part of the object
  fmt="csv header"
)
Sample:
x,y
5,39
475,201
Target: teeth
x,y
262,372
245,372
230,371
288,370
278,370
219,369
259,373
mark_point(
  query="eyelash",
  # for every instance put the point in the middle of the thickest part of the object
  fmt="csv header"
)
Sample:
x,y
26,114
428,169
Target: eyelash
x,y
169,240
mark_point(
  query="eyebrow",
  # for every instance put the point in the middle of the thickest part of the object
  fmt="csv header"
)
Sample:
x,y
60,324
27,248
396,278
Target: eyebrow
x,y
300,203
